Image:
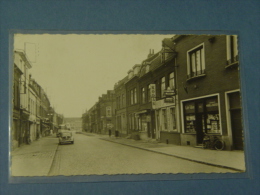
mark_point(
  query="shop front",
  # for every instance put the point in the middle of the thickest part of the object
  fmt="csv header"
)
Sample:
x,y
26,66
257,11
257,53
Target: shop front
x,y
166,121
200,116
146,124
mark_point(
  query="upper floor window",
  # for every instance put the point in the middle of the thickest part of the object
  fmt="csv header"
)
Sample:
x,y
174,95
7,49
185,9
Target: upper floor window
x,y
232,50
162,86
132,97
149,93
171,81
196,61
123,100
135,96
143,95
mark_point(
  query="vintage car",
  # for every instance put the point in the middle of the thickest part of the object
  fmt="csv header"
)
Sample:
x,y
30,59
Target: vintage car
x,y
62,128
66,137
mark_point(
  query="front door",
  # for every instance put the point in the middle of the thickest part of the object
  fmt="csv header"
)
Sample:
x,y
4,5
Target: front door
x,y
236,120
199,128
237,131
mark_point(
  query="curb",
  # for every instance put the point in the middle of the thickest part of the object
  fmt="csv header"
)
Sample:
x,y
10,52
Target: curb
x,y
52,161
184,158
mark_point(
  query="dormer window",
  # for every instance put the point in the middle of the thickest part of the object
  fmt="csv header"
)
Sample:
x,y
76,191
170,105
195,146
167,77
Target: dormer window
x,y
130,74
147,68
136,69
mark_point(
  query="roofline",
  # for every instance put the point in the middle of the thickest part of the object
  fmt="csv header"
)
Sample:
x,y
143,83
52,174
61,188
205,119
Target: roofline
x,y
176,38
24,57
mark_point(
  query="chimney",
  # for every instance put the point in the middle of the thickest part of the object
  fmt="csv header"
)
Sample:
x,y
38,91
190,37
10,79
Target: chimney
x,y
151,53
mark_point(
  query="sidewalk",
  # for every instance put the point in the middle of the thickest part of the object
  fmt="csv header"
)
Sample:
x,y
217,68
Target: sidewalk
x,y
234,160
34,159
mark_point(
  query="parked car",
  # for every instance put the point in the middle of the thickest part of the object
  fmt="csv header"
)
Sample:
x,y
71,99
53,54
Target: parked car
x,y
62,128
66,137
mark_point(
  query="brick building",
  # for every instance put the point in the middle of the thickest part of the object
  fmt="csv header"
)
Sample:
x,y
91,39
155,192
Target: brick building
x,y
208,89
120,109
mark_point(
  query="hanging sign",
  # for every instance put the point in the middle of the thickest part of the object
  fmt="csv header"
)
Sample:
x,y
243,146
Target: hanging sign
x,y
153,94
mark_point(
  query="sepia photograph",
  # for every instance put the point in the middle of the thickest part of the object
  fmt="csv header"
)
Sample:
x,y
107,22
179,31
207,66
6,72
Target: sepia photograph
x,y
121,104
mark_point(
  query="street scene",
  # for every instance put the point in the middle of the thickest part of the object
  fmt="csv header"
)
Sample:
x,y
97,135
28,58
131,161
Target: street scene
x,y
107,104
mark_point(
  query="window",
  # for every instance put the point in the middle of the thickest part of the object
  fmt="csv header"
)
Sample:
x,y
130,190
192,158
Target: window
x,y
149,93
196,62
135,96
123,100
165,119
173,118
143,95
171,81
204,114
162,87
132,97
232,50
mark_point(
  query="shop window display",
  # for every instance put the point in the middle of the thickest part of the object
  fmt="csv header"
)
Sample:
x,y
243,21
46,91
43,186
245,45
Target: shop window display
x,y
202,113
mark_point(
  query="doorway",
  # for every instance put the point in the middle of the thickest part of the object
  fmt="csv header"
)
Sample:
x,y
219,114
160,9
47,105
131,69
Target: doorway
x,y
236,120
199,128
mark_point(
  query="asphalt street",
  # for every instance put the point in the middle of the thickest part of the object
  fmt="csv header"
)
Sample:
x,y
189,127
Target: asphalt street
x,y
90,155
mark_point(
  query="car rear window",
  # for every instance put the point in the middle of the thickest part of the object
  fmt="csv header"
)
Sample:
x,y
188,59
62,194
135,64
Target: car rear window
x,y
66,134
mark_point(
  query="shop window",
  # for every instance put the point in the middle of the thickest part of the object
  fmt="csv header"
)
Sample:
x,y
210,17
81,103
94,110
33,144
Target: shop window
x,y
189,117
165,122
202,113
232,50
212,115
173,118
196,62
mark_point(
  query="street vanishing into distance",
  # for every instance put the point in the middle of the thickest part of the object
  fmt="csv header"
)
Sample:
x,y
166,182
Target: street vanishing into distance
x,y
90,155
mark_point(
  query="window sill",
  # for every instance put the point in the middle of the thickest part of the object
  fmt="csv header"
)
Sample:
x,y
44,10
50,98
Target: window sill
x,y
234,64
196,77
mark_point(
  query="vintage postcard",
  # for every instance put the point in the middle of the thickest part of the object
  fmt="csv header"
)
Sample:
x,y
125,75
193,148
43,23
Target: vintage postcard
x,y
112,104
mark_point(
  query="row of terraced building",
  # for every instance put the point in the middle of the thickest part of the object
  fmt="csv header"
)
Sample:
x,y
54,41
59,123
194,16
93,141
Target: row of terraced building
x,y
189,88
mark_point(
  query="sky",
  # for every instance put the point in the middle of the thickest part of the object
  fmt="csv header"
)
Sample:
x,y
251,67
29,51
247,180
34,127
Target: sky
x,y
75,69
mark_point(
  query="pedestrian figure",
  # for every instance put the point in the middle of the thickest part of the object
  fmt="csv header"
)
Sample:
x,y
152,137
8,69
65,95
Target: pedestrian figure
x,y
109,132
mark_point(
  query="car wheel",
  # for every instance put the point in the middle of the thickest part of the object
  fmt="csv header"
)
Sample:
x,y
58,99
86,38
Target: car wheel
x,y
72,142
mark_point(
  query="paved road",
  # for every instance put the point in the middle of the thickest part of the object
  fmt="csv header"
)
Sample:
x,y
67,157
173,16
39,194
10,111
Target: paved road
x,y
91,156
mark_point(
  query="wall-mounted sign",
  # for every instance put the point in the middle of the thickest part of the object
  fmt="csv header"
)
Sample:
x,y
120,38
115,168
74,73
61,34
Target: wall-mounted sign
x,y
169,100
169,92
153,94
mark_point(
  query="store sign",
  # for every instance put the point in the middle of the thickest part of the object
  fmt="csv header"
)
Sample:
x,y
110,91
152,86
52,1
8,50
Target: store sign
x,y
153,94
108,111
169,92
169,100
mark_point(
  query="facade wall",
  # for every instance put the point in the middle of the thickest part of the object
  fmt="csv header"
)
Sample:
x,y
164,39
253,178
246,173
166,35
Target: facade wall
x,y
216,81
132,106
